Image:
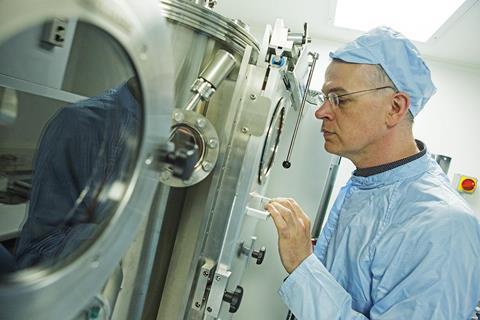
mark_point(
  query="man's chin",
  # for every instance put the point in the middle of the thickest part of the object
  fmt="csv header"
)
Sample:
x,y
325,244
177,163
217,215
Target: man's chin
x,y
330,147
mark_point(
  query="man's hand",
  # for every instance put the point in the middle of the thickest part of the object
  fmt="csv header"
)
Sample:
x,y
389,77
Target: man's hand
x,y
293,227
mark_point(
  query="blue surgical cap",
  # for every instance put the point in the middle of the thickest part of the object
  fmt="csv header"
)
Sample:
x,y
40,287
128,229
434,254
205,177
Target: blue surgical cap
x,y
398,57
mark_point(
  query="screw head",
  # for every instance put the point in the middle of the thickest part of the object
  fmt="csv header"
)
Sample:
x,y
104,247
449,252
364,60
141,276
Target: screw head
x,y
149,160
207,166
178,116
197,304
95,262
209,309
218,278
143,52
165,175
187,181
212,3
245,130
205,273
253,96
212,143
200,123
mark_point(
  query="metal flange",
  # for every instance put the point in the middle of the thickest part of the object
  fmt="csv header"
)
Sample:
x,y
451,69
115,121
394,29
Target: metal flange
x,y
202,133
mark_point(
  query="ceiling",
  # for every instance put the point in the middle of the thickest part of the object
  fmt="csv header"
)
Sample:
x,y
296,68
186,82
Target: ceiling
x,y
457,42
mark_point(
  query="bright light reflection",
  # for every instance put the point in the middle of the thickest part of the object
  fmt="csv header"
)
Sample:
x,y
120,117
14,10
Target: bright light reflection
x,y
416,19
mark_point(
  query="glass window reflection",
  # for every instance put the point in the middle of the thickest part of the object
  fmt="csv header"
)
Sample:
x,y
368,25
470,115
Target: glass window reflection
x,y
66,139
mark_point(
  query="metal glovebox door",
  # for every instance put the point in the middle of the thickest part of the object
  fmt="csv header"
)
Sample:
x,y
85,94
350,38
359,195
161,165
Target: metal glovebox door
x,y
86,96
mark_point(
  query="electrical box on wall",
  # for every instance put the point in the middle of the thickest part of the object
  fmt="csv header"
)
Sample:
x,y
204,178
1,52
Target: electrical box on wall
x,y
467,186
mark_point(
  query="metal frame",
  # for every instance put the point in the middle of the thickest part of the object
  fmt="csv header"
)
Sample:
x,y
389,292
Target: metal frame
x,y
200,18
37,89
61,292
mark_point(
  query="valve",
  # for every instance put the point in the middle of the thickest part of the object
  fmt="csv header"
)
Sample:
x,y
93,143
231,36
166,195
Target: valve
x,y
211,77
234,299
259,255
181,160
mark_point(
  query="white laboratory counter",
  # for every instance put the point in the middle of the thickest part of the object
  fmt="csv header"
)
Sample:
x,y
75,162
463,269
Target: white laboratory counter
x,y
12,218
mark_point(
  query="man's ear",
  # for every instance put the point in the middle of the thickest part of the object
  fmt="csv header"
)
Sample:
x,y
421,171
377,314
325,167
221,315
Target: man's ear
x,y
399,104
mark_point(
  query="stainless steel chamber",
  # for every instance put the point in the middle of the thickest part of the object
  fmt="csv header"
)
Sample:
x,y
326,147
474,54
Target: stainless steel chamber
x,y
48,62
232,94
213,103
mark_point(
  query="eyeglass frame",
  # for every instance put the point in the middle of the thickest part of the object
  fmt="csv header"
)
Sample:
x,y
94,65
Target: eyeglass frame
x,y
324,97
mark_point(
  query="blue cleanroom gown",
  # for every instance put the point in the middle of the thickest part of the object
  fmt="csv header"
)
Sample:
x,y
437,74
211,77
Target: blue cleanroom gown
x,y
400,244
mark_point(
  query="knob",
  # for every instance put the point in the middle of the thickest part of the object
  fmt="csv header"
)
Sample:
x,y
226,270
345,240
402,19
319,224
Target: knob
x,y
286,164
259,254
234,299
180,154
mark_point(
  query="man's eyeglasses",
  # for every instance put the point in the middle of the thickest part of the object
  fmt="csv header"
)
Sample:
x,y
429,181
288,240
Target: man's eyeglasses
x,y
334,98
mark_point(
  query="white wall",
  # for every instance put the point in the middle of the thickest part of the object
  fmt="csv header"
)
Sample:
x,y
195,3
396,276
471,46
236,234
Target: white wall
x,y
448,124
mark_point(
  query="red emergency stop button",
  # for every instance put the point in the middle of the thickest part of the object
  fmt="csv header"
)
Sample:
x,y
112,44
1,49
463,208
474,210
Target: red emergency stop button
x,y
467,184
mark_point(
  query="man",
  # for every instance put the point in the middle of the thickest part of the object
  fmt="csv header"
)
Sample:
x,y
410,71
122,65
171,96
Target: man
x,y
399,242
84,148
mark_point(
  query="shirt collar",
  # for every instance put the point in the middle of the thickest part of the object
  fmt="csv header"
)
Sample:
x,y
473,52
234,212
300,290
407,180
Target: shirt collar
x,y
366,172
398,170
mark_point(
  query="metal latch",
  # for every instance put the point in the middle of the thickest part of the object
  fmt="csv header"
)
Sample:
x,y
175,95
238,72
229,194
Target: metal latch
x,y
204,281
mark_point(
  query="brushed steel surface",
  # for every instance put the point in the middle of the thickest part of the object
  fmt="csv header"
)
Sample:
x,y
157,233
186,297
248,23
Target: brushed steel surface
x,y
198,221
61,292
220,28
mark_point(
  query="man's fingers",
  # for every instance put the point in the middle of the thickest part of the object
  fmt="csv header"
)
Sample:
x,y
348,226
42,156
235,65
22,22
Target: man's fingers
x,y
286,213
298,212
277,217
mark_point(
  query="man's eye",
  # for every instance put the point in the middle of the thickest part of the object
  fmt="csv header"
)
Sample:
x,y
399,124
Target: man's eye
x,y
342,101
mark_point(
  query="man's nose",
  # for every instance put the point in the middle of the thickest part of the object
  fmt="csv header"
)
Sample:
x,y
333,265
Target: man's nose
x,y
324,111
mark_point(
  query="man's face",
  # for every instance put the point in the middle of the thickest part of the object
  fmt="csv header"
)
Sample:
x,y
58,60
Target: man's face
x,y
355,128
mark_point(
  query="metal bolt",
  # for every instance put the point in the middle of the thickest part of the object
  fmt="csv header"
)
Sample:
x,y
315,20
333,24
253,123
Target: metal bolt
x,y
245,130
212,3
95,262
207,166
209,309
205,273
197,304
253,96
165,175
218,278
212,143
178,116
149,160
143,52
187,181
200,123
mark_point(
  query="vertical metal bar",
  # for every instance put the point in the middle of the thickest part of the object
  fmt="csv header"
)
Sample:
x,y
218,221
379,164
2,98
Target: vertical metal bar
x,y
147,257
326,194
286,163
